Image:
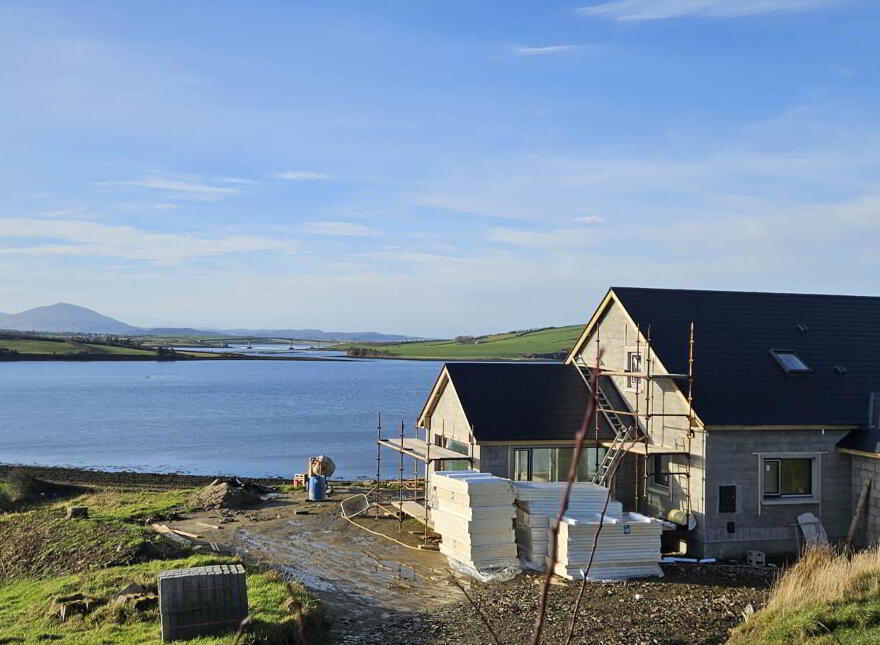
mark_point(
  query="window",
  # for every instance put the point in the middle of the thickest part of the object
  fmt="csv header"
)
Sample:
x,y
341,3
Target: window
x,y
459,447
727,499
789,361
521,461
658,470
788,477
553,464
633,364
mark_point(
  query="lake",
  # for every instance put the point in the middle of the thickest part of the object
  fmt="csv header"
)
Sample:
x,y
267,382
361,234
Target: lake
x,y
248,418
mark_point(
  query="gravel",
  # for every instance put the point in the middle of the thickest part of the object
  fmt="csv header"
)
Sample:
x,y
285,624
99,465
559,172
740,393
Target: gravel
x,y
691,605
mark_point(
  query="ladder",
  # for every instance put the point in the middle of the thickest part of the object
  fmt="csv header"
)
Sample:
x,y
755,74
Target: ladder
x,y
612,456
623,432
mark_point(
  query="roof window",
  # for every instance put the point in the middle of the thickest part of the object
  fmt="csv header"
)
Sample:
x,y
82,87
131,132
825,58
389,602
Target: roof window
x,y
840,369
789,361
803,328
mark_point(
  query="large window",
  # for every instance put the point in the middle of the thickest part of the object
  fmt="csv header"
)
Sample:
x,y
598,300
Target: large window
x,y
788,477
455,446
553,464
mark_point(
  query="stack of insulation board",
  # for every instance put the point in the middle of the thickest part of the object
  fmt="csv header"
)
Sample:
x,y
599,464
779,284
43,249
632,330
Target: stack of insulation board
x,y
628,547
537,505
473,513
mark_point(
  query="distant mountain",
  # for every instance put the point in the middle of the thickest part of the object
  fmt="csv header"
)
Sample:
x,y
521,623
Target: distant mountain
x,y
64,317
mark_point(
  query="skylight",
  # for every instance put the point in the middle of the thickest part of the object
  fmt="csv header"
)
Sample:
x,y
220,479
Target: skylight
x,y
789,361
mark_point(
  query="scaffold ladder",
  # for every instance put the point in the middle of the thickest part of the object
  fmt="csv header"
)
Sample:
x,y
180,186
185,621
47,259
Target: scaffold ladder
x,y
612,456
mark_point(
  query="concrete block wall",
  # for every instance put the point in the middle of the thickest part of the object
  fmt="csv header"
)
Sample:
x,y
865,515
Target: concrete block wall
x,y
202,601
733,459
866,468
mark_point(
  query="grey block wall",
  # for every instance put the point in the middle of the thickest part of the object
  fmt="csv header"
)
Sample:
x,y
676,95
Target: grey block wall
x,y
866,468
202,601
733,460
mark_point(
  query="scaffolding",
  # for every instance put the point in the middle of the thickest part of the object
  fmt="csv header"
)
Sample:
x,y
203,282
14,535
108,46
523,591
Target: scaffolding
x,y
420,450
633,428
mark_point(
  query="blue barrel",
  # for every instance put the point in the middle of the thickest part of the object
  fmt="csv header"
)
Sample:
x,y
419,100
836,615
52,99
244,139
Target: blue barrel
x,y
317,488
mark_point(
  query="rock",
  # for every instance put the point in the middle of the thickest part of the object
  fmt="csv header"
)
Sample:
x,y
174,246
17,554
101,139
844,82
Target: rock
x,y
77,512
66,606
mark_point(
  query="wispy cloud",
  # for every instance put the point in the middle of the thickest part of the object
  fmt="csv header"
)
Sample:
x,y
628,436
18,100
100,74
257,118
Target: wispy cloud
x,y
187,188
341,229
92,239
541,51
589,219
301,175
662,9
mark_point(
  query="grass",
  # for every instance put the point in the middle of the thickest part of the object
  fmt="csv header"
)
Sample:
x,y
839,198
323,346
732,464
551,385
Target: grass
x,y
43,555
510,345
824,599
134,506
24,605
32,346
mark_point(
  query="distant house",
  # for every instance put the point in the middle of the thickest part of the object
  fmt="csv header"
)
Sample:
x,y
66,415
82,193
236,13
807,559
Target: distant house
x,y
782,419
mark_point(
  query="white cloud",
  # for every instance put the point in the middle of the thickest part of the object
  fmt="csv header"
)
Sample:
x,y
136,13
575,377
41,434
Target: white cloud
x,y
540,51
589,219
662,9
191,189
342,229
92,239
237,180
301,175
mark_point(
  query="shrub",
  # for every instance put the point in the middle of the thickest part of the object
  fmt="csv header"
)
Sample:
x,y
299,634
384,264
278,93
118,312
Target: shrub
x,y
23,486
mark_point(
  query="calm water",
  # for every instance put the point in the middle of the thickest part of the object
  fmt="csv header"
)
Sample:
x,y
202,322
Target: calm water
x,y
250,418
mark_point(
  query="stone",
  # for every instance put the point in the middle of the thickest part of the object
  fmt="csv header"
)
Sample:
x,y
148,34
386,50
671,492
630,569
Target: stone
x,y
74,512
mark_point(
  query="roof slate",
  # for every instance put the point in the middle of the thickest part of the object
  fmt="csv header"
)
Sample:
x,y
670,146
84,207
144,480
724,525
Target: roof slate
x,y
737,381
522,401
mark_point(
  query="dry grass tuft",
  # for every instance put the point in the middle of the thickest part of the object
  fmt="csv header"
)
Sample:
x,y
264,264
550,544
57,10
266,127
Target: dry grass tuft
x,y
826,576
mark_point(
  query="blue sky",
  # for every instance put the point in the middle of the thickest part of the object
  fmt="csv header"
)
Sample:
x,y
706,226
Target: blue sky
x,y
432,168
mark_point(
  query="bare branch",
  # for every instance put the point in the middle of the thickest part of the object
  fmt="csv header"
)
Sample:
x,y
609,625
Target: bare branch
x,y
581,436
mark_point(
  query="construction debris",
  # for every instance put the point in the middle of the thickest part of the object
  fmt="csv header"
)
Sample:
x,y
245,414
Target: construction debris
x,y
228,493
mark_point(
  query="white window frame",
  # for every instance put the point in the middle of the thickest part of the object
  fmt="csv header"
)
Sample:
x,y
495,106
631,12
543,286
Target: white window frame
x,y
815,471
632,382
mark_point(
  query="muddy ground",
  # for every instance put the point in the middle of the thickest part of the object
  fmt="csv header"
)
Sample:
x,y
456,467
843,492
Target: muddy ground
x,y
380,592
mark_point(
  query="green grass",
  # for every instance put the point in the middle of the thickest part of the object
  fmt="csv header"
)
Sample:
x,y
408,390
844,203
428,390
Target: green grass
x,y
32,346
135,505
24,606
508,345
43,555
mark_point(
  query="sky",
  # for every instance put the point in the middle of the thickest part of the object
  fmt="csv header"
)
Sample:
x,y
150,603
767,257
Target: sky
x,y
432,168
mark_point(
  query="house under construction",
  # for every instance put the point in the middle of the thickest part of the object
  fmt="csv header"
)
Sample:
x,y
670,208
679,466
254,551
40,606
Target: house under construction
x,y
729,413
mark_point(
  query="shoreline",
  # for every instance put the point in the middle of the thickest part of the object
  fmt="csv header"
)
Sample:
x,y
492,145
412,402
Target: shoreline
x,y
127,478
104,358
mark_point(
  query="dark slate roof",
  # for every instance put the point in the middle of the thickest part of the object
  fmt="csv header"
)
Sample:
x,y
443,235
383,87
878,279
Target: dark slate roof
x,y
737,381
522,401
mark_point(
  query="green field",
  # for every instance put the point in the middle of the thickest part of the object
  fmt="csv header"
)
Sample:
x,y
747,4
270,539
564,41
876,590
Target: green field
x,y
510,345
34,346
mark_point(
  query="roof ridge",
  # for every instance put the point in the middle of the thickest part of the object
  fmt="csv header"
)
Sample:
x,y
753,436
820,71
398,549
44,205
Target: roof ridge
x,y
749,293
